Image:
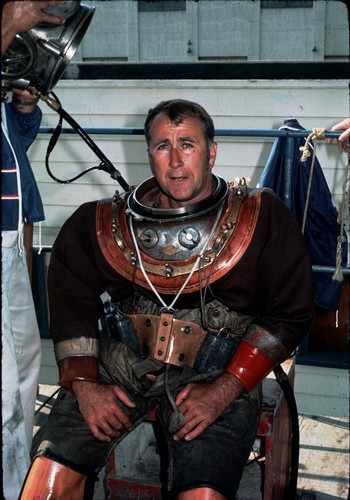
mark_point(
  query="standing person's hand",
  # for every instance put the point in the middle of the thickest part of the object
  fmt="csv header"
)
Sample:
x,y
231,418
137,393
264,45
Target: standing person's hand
x,y
343,139
20,16
23,100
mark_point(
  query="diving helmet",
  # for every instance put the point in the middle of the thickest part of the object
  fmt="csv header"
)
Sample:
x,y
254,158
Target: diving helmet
x,y
39,57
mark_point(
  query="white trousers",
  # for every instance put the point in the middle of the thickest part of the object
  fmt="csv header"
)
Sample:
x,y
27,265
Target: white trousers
x,y
20,365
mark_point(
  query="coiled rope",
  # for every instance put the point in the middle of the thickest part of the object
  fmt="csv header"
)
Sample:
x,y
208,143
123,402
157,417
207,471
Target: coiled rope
x,y
316,134
338,273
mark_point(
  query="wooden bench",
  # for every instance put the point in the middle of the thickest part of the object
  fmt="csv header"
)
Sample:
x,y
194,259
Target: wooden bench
x,y
275,434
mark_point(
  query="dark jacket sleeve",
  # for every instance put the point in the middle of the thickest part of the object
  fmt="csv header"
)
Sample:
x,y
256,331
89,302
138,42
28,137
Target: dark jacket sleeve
x,y
77,277
276,286
273,281
28,124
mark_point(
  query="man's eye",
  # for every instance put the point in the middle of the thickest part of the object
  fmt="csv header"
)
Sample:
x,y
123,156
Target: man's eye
x,y
187,145
163,147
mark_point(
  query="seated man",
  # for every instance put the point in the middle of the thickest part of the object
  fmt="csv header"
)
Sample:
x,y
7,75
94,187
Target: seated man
x,y
211,288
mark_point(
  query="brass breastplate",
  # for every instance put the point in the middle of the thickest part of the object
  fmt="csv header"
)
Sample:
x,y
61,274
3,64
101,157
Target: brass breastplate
x,y
169,243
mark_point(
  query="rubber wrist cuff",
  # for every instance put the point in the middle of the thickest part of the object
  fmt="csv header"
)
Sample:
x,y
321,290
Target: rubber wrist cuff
x,y
77,368
249,365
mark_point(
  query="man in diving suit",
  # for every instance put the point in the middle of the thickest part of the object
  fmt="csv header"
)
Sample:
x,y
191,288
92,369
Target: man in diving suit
x,y
212,287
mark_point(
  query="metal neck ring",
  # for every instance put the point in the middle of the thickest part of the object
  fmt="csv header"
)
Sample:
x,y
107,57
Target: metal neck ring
x,y
139,210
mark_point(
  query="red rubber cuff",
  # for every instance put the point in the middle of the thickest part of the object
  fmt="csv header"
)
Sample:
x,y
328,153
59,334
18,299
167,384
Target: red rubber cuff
x,y
249,365
77,368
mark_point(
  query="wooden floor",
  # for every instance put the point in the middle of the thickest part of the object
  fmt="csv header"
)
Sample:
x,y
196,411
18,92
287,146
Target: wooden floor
x,y
323,459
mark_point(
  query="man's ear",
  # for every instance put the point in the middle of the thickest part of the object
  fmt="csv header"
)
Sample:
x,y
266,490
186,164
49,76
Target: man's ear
x,y
212,154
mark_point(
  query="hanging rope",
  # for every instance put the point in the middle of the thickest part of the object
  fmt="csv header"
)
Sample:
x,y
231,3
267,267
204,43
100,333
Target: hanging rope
x,y
338,273
317,133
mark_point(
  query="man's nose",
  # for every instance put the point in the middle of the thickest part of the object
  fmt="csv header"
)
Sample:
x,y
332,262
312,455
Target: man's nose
x,y
175,158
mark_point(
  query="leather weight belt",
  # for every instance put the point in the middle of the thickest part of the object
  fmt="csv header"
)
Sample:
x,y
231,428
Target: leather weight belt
x,y
168,339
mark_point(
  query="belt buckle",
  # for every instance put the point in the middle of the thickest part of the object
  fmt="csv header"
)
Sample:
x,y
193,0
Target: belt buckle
x,y
168,310
224,332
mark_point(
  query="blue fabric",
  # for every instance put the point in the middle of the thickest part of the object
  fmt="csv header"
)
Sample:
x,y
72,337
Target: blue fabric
x,y
321,229
22,130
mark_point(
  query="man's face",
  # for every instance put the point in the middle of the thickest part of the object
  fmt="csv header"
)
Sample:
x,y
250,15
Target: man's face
x,y
179,160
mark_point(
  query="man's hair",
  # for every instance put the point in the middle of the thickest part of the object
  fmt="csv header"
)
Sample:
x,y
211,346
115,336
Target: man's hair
x,y
177,110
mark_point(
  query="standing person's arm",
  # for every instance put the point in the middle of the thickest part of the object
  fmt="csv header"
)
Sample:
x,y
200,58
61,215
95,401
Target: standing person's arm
x,y
20,16
24,101
27,115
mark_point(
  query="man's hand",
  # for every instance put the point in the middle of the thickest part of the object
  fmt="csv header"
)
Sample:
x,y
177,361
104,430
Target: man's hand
x,y
98,404
20,16
343,139
201,404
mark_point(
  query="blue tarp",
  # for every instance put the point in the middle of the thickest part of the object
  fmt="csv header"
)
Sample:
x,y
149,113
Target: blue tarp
x,y
321,228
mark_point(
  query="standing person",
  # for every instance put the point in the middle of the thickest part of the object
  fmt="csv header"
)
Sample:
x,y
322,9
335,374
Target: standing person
x,y
211,287
21,202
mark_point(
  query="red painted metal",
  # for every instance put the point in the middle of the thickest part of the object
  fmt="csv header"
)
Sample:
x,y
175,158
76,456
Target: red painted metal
x,y
124,490
276,422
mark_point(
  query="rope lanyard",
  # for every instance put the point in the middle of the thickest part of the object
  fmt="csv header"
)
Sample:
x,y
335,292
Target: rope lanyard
x,y
317,133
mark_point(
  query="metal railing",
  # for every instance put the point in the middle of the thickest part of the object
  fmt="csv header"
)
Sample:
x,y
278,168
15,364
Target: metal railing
x,y
220,132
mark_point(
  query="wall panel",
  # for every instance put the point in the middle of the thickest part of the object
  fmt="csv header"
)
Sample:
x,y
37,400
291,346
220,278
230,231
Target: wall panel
x,y
243,104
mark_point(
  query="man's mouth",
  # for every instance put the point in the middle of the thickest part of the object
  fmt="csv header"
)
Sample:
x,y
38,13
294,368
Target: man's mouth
x,y
178,179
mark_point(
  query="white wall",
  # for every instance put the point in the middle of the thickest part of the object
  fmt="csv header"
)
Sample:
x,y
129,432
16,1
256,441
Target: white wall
x,y
322,391
239,104
223,29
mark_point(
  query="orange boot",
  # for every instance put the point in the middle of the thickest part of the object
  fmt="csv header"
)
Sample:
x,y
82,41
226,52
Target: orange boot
x,y
48,479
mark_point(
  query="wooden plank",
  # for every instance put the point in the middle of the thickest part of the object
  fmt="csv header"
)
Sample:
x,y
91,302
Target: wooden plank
x,y
324,457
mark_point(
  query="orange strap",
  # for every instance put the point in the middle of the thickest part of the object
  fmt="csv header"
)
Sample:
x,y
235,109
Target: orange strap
x,y
249,365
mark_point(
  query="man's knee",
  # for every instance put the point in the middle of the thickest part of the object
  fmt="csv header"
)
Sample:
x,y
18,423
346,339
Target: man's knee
x,y
49,479
202,493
